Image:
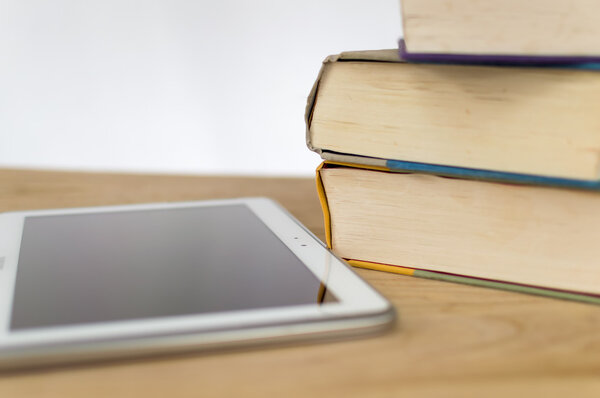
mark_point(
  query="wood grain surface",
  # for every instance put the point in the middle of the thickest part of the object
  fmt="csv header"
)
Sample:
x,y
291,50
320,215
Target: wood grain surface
x,y
451,340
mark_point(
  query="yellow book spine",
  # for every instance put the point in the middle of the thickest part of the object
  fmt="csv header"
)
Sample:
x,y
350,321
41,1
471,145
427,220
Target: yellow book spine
x,y
323,196
324,205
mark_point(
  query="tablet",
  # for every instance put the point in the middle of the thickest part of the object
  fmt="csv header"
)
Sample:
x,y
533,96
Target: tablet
x,y
106,282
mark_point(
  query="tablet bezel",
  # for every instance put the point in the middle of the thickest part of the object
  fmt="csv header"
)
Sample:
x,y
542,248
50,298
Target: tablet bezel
x,y
359,305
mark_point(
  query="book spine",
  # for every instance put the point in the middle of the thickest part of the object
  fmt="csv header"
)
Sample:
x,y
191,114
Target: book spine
x,y
359,56
310,103
324,205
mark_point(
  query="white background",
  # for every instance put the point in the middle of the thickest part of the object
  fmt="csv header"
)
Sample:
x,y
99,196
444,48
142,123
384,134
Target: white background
x,y
172,86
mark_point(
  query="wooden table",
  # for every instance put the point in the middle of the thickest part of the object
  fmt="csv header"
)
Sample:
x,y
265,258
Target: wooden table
x,y
451,340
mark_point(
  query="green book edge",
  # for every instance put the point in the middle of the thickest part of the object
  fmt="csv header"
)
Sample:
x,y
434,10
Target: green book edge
x,y
508,286
478,282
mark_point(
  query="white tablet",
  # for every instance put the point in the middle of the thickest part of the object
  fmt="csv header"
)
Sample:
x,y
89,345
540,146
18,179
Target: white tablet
x,y
88,283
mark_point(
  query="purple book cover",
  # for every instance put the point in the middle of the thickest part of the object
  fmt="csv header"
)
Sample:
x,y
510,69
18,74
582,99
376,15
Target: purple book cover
x,y
493,59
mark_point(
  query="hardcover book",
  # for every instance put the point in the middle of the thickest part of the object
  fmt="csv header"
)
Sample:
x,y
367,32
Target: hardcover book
x,y
525,238
538,122
507,30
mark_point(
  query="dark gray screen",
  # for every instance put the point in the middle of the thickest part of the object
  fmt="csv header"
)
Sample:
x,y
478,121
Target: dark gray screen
x,y
77,269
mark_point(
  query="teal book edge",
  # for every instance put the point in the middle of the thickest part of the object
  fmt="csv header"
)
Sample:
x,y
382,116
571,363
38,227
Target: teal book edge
x,y
490,175
461,172
559,294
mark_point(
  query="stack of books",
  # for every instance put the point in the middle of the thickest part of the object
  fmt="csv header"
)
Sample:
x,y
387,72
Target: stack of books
x,y
473,158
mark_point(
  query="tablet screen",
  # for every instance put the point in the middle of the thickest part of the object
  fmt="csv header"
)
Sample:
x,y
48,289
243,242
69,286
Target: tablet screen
x,y
90,268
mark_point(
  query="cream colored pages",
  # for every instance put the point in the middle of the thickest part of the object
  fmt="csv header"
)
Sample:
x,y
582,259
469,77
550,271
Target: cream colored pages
x,y
540,121
519,27
390,55
531,235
